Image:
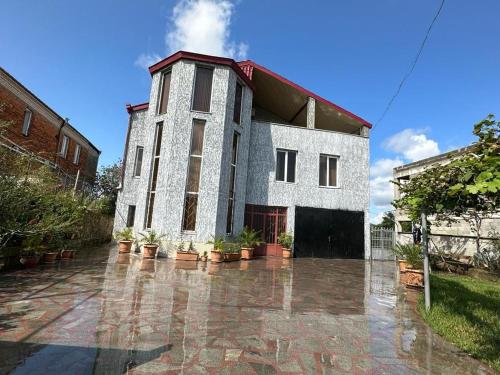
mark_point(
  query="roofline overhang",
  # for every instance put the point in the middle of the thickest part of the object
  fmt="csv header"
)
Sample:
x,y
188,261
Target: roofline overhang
x,y
305,91
137,107
184,55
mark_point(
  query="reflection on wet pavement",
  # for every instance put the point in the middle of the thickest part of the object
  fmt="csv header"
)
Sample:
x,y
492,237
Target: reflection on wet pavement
x,y
110,314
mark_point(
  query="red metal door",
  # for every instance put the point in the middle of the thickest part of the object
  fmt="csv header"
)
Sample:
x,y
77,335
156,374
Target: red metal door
x,y
269,222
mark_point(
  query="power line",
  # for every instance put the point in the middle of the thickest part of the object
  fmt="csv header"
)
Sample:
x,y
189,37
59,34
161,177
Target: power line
x,y
412,66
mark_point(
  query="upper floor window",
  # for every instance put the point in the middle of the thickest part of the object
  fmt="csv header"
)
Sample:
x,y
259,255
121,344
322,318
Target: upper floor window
x,y
27,122
164,91
76,156
63,151
202,89
285,165
238,96
138,161
328,171
131,216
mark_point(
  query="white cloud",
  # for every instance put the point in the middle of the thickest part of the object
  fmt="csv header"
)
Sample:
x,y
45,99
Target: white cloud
x,y
146,60
201,26
381,189
376,218
412,145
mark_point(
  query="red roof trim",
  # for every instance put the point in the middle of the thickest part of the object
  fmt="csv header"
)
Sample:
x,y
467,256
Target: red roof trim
x,y
137,107
202,58
244,65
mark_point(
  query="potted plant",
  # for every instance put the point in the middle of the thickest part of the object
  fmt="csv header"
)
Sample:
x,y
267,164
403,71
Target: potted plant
x,y
29,254
66,253
125,238
232,251
191,253
286,240
249,239
399,252
413,274
150,243
51,251
204,257
217,253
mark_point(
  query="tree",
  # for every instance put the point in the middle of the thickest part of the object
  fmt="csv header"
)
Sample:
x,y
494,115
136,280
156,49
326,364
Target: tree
x,y
106,184
387,220
467,187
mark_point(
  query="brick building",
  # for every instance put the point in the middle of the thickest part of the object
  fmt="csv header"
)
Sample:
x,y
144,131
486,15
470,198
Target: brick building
x,y
37,129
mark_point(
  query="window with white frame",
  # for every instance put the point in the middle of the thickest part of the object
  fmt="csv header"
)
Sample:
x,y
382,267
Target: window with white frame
x,y
27,122
328,176
285,165
63,151
76,156
139,151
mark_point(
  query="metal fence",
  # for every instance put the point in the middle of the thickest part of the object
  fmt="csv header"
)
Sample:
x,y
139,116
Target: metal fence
x,y
382,242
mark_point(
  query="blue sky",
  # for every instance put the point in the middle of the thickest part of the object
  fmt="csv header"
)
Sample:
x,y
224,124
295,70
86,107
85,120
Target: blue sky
x,y
83,59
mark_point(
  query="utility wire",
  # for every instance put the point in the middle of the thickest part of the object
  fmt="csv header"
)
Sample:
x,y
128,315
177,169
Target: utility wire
x,y
412,66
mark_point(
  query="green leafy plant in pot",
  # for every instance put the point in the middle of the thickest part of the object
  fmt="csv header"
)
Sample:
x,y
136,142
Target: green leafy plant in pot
x,y
191,253
125,238
286,240
150,243
412,273
249,240
31,250
217,253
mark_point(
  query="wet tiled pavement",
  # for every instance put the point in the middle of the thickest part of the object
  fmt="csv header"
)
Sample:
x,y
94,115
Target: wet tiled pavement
x,y
104,314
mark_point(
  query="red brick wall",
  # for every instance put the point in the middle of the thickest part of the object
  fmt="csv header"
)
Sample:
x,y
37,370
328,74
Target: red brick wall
x,y
42,138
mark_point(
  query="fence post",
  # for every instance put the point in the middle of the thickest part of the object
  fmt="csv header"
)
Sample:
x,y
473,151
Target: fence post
x,y
427,290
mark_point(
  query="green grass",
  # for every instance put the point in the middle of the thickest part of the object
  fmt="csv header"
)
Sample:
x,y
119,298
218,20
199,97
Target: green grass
x,y
466,311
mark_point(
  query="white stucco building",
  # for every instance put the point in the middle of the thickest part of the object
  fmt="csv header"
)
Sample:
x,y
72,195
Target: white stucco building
x,y
222,144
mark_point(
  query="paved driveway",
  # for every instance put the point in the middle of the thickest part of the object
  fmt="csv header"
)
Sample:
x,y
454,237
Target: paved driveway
x,y
103,315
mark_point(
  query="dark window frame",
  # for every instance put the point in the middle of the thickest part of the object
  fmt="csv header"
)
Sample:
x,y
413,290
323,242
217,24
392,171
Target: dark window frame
x,y
161,96
194,94
155,166
232,177
237,114
138,167
131,215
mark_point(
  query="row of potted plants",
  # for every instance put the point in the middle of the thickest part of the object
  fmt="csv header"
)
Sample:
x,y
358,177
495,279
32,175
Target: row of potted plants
x,y
242,248
36,250
410,263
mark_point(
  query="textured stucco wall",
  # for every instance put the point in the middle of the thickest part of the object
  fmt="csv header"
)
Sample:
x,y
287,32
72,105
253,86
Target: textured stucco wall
x,y
353,171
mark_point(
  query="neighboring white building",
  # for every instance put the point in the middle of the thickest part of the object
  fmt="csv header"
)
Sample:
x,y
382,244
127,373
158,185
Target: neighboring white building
x,y
455,238
223,144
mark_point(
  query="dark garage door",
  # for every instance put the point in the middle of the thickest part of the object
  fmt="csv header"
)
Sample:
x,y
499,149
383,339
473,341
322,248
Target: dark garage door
x,y
324,233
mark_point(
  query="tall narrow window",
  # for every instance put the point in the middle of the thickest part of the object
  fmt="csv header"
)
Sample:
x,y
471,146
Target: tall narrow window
x,y
154,175
193,178
238,96
285,165
232,184
202,89
328,171
76,156
26,122
130,216
138,161
63,151
164,91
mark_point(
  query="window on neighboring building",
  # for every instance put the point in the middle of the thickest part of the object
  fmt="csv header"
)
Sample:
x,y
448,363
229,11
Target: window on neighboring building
x,y
202,89
406,226
138,161
238,97
193,178
232,184
154,175
328,171
27,121
130,216
164,91
76,156
63,151
285,165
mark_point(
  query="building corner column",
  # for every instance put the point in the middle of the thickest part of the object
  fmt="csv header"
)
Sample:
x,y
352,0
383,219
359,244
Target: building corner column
x,y
311,113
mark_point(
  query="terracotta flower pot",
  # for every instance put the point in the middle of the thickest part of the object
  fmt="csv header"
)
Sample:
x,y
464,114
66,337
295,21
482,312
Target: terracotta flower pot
x,y
403,264
246,253
67,254
186,255
216,256
413,278
125,246
287,253
29,261
50,257
231,257
149,251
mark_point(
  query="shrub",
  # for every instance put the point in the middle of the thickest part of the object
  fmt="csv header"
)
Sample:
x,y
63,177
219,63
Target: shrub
x,y
409,252
489,257
126,234
285,240
249,238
